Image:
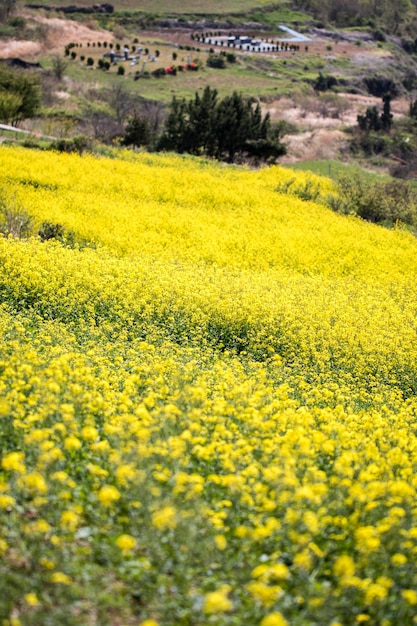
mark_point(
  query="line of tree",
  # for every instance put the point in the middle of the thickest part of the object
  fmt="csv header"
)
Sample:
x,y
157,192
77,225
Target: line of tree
x,y
226,129
372,120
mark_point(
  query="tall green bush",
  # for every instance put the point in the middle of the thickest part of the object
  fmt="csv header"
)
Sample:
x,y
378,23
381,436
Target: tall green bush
x,y
20,95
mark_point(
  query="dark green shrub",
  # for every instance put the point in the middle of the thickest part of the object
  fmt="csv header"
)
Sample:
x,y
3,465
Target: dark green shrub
x,y
79,144
159,72
372,143
138,131
17,22
216,61
379,35
324,82
90,61
380,86
120,70
386,201
50,231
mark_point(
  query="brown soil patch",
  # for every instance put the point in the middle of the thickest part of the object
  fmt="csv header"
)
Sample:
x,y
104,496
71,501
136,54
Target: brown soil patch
x,y
321,134
22,49
317,145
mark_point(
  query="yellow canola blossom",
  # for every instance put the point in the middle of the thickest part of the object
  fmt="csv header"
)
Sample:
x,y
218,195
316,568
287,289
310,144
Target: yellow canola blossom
x,y
207,399
218,601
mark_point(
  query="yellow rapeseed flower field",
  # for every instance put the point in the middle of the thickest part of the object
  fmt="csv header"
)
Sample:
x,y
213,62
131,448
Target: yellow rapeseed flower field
x,y
208,406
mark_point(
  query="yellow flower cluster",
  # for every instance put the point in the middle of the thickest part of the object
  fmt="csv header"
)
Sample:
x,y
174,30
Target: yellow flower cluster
x,y
207,400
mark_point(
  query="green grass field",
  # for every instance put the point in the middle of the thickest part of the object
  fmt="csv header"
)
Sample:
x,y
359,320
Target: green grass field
x,y
333,169
256,75
180,8
252,75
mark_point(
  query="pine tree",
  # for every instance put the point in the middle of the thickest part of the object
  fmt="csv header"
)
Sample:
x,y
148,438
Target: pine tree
x,y
138,131
175,132
386,116
201,120
223,129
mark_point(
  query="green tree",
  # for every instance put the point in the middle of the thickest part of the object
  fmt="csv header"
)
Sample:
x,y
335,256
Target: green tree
x,y
386,14
370,121
393,14
232,126
202,122
20,95
223,129
10,104
138,131
373,121
59,65
7,7
176,131
386,115
413,110
237,124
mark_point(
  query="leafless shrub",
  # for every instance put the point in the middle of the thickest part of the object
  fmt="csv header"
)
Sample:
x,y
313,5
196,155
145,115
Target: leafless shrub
x,y
15,221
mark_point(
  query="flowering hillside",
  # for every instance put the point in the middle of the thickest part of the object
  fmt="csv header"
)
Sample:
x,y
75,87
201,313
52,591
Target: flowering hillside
x,y
207,400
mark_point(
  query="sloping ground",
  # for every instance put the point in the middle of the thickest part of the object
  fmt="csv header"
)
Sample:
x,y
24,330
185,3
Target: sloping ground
x,y
321,125
57,34
208,400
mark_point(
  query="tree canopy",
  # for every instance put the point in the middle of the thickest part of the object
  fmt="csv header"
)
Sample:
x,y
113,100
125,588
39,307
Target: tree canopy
x,y
390,16
223,129
20,95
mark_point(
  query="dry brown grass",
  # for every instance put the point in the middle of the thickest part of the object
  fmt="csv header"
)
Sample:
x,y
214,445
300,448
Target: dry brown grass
x,y
56,33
